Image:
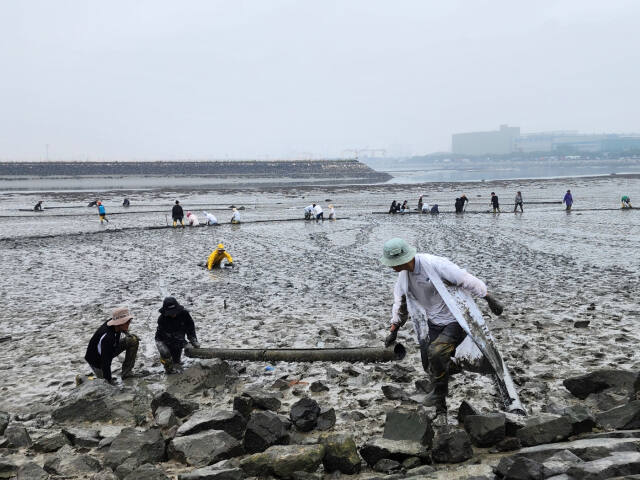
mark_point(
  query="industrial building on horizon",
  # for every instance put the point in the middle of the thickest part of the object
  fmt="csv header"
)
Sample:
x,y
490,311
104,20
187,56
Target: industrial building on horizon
x,y
509,140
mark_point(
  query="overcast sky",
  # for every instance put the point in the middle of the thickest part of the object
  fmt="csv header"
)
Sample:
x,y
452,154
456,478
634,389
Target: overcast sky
x,y
176,79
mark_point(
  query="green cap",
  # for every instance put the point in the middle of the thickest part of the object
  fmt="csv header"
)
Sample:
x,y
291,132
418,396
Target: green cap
x,y
396,252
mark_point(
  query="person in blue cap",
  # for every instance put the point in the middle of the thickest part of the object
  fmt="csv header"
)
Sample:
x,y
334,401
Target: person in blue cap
x,y
415,296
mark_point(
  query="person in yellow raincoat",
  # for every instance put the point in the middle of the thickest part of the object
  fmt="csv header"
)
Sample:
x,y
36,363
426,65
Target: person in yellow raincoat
x,y
217,256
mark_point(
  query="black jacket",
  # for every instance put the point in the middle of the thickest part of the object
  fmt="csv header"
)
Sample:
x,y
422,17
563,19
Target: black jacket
x,y
494,201
107,339
172,330
177,212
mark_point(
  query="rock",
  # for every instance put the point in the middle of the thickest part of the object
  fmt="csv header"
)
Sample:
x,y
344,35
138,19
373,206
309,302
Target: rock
x,y
581,419
465,409
202,376
617,464
147,472
51,443
594,382
4,421
204,448
96,401
181,408
165,418
545,428
17,436
587,449
232,422
105,475
31,471
8,468
394,393
265,401
626,417
284,460
304,414
485,430
280,384
452,447
142,446
513,423
213,473
581,324
423,385
420,471
127,467
265,429
507,445
68,463
341,454
318,386
560,463
411,462
376,449
385,465
607,399
243,404
81,437
413,425
520,468
326,419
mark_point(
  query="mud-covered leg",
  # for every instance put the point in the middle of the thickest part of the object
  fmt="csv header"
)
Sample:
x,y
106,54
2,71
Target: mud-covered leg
x,y
129,344
165,356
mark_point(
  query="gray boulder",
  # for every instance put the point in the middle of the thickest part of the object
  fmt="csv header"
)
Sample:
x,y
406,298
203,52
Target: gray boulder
x,y
204,448
581,419
51,443
412,425
560,462
304,414
82,437
213,473
615,465
244,405
452,447
165,418
595,382
317,387
95,401
626,417
485,430
376,449
105,475
203,375
265,401
545,428
264,430
385,465
4,421
17,436
326,419
465,409
587,449
182,408
341,454
8,468
68,463
31,471
394,393
420,472
507,445
232,422
284,460
142,447
147,472
520,468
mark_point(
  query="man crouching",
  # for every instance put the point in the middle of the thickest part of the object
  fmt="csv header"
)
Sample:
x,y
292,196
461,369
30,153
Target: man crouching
x,y
174,323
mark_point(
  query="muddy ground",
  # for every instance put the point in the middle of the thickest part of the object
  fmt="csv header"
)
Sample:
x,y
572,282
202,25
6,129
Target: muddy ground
x,y
320,284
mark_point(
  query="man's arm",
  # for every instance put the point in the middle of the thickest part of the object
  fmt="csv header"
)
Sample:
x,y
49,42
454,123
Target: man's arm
x,y
191,331
228,257
452,273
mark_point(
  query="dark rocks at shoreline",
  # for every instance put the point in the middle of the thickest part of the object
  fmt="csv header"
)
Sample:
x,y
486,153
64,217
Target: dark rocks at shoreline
x,y
341,454
626,417
452,447
485,430
284,460
546,428
376,449
232,422
182,408
304,414
204,448
595,382
17,436
412,425
132,448
264,430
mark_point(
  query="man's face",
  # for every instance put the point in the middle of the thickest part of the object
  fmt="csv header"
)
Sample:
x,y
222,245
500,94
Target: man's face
x,y
124,327
405,266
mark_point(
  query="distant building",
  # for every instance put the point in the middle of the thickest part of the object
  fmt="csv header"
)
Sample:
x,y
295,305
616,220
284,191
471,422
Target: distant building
x,y
508,140
482,143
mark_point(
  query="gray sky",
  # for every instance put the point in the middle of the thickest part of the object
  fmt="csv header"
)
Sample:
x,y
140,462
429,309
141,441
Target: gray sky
x,y
176,79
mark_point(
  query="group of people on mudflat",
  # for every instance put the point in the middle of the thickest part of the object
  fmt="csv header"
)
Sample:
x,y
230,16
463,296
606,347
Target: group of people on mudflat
x,y
315,211
461,203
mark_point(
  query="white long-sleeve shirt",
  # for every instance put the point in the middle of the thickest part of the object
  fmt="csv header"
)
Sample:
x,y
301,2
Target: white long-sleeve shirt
x,y
308,209
317,209
211,219
423,300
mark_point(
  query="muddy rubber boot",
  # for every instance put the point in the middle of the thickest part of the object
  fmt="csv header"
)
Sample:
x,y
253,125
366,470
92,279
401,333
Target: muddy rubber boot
x,y
132,343
167,363
438,397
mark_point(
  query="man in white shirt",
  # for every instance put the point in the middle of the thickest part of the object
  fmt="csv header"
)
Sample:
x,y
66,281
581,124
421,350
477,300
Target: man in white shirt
x,y
437,330
317,210
308,212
